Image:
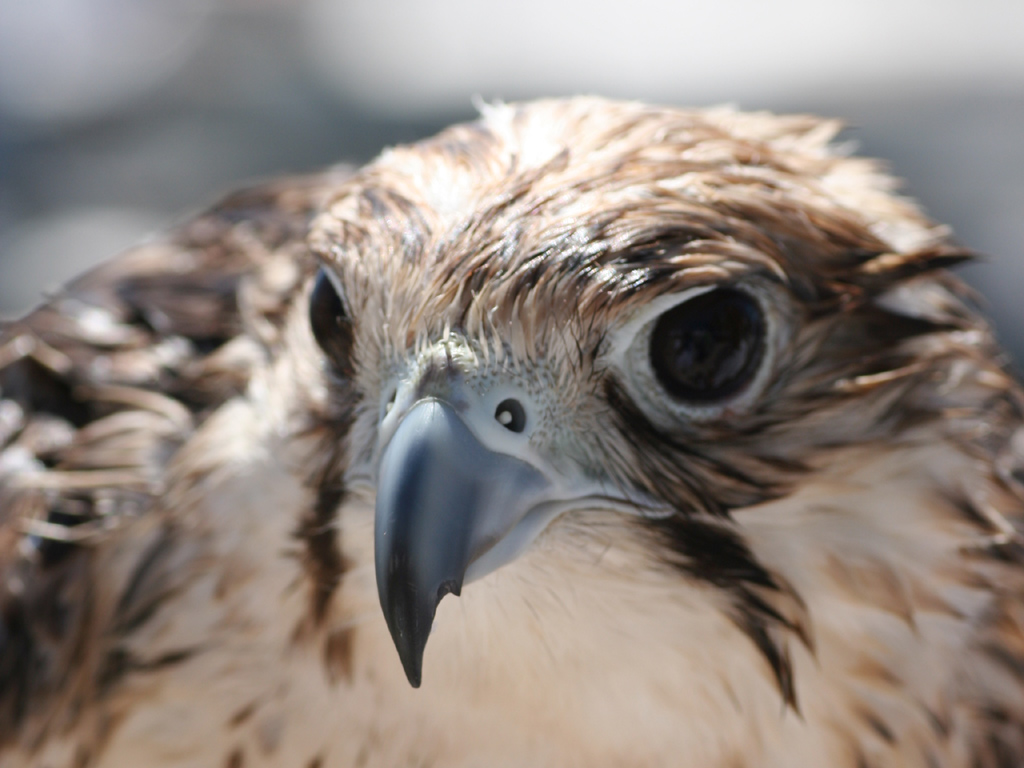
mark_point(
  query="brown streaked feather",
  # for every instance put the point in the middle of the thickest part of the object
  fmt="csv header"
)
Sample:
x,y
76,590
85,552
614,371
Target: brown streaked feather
x,y
830,574
98,389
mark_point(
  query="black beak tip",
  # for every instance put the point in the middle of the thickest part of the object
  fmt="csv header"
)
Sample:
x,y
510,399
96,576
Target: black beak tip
x,y
411,642
413,666
409,631
410,621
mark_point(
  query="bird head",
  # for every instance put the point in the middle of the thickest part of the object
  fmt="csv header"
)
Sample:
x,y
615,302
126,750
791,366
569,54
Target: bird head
x,y
689,321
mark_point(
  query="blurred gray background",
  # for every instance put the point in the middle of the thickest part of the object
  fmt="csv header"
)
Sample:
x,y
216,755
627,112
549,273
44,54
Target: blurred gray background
x,y
118,117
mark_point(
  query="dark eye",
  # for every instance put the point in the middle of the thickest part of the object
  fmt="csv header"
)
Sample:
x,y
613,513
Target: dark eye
x,y
710,347
331,326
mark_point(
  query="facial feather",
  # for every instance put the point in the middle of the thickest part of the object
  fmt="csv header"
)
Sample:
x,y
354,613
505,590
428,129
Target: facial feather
x,y
572,218
822,570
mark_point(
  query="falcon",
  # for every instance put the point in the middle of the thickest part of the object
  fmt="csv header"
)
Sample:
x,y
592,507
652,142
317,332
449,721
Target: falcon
x,y
586,434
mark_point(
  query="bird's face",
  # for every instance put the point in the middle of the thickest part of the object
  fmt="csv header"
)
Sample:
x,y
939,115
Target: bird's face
x,y
664,316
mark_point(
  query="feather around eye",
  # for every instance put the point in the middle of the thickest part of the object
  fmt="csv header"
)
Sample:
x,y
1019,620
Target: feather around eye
x,y
330,323
688,357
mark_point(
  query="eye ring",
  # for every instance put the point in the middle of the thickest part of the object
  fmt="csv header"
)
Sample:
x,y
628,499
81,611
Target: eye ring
x,y
628,353
708,349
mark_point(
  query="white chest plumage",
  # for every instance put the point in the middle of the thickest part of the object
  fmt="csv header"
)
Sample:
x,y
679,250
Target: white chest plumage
x,y
585,651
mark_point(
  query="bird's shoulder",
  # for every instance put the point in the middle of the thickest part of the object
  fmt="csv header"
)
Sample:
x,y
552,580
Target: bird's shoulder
x,y
102,383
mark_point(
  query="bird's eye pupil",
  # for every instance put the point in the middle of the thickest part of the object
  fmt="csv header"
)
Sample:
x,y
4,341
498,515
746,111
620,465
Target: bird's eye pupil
x,y
710,347
329,322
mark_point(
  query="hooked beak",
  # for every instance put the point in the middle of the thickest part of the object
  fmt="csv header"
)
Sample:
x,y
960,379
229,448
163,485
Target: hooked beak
x,y
444,501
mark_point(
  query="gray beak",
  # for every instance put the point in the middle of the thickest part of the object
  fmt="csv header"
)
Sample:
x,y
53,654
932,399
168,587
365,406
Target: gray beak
x,y
443,501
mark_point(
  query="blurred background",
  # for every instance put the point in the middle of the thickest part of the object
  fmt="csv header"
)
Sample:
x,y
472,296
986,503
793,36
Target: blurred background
x,y
118,117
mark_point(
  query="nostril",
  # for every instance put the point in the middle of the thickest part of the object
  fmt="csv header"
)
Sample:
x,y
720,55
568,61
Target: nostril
x,y
511,415
391,402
